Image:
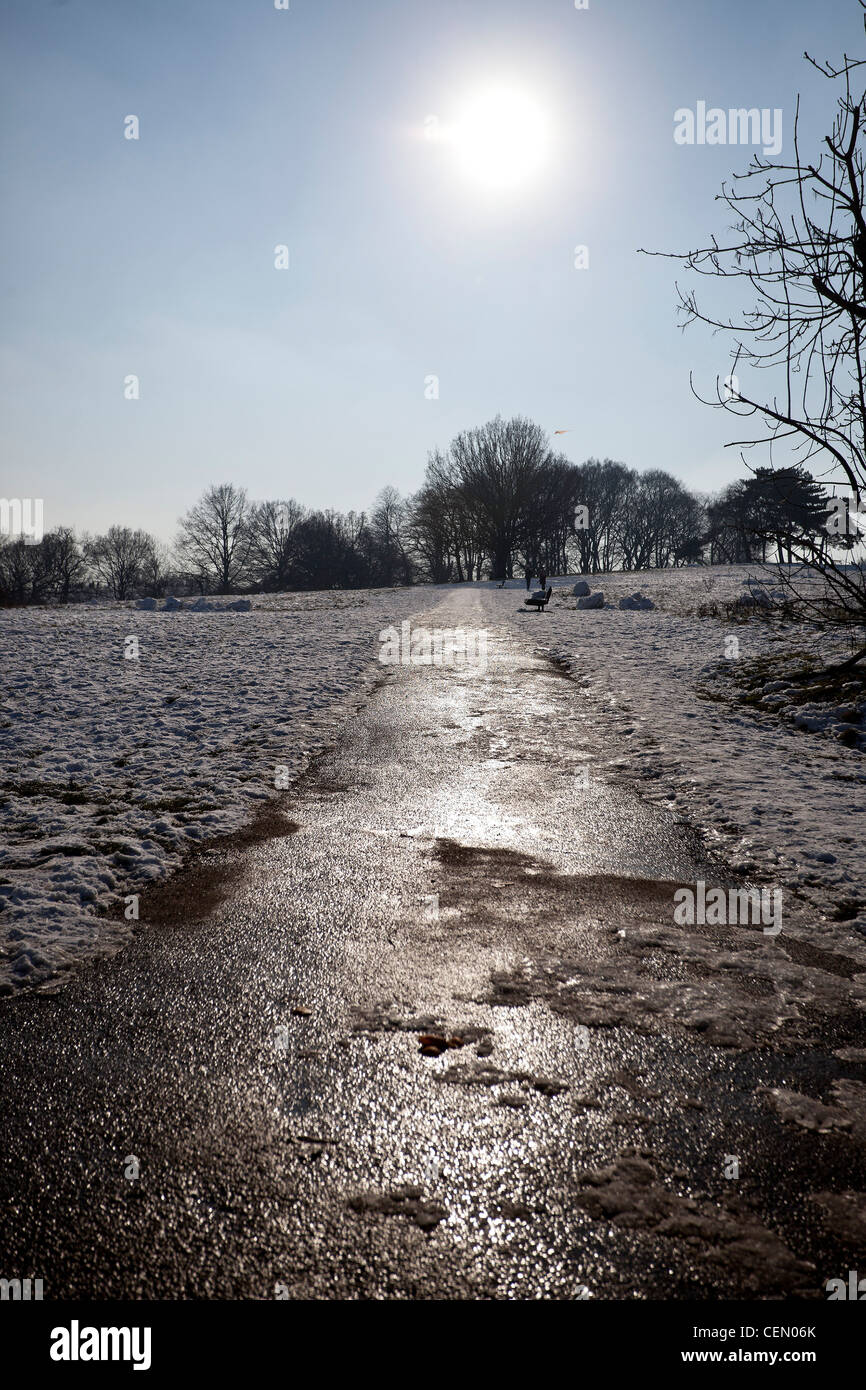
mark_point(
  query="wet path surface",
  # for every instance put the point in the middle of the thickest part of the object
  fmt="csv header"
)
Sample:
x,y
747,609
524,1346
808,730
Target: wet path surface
x,y
456,874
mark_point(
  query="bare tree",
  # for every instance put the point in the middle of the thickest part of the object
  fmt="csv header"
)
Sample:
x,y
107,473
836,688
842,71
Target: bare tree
x,y
490,475
156,568
550,517
388,533
451,501
215,537
798,246
24,575
430,537
66,562
659,523
273,551
603,488
118,558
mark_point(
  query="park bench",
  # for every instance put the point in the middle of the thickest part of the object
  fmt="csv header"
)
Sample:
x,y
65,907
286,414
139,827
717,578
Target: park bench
x,y
539,600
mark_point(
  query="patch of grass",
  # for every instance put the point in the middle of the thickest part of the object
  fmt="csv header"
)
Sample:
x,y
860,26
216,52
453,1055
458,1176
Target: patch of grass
x,y
66,792
33,787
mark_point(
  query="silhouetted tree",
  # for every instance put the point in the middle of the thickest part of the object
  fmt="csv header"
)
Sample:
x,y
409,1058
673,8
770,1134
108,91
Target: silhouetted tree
x,y
216,538
491,474
273,548
118,558
798,245
390,561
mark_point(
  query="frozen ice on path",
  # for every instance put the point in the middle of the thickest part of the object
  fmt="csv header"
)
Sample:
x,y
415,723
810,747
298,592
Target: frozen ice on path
x,y
664,709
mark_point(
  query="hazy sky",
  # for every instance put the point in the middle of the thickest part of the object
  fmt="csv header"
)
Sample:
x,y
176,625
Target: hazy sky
x,y
408,258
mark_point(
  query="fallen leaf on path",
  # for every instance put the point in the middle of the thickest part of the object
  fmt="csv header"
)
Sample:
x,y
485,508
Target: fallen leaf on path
x,y
434,1044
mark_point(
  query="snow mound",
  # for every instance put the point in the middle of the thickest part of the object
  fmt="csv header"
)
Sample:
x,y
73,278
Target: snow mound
x,y
636,601
759,596
201,605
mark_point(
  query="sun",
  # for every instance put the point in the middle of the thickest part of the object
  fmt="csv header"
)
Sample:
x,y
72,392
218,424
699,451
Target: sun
x,y
501,138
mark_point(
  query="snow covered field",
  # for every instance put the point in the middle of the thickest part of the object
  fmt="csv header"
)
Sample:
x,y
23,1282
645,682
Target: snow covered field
x,y
111,766
781,794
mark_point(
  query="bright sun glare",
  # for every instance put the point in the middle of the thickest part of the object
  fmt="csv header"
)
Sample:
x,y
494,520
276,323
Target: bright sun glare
x,y
501,138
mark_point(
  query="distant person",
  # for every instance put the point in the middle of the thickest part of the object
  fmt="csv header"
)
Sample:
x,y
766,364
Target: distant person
x,y
542,579
528,578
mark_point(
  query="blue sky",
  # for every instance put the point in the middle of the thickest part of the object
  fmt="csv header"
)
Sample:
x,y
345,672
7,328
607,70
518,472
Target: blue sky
x,y
261,127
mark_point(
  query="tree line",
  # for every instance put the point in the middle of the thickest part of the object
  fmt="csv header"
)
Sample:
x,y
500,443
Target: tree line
x,y
496,503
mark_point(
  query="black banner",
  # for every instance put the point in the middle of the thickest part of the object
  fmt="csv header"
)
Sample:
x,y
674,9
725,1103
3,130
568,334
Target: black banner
x,y
158,1340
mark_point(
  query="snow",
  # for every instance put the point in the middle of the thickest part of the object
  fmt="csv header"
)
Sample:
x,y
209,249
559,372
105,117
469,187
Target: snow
x,y
635,601
111,767
780,795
